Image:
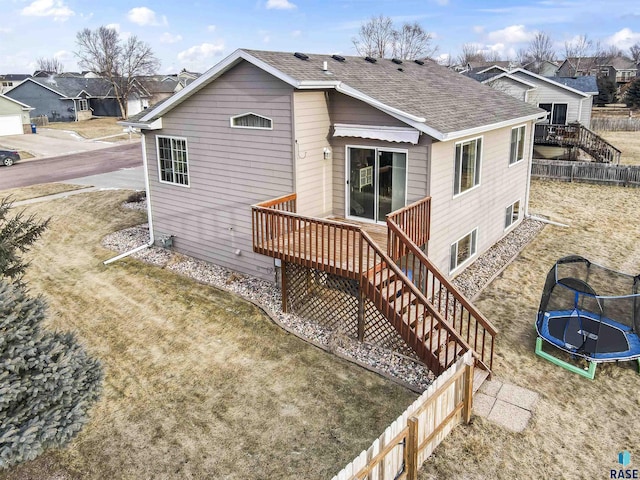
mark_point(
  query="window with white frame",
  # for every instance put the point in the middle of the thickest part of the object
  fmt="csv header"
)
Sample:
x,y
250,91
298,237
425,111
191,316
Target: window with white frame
x,y
557,112
463,249
251,120
83,105
173,163
517,145
512,214
467,165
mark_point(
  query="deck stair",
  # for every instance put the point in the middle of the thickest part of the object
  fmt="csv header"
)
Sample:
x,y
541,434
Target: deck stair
x,y
576,135
426,310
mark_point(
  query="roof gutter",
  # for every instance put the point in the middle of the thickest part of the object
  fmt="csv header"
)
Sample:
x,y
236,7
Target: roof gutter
x,y
493,126
149,217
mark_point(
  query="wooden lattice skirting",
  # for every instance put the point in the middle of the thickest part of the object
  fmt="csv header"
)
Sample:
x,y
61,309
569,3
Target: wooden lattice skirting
x,y
332,301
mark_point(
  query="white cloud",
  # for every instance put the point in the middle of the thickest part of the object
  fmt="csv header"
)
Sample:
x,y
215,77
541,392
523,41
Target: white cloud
x,y
511,34
167,37
280,5
198,55
146,17
211,28
48,8
624,38
296,33
114,26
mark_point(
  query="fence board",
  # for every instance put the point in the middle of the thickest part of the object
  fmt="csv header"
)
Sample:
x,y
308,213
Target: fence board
x,y
590,172
437,411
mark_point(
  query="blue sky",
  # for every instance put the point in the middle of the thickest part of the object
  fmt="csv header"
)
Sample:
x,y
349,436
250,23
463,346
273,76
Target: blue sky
x,y
197,34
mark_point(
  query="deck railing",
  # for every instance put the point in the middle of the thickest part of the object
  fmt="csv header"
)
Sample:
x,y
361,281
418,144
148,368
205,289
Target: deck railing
x,y
576,135
448,301
427,311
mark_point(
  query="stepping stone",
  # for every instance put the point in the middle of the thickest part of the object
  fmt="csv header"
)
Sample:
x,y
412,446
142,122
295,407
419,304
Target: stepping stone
x,y
509,416
518,396
482,404
491,388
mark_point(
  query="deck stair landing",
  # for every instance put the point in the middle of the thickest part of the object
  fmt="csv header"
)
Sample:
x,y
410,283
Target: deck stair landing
x,y
393,273
578,136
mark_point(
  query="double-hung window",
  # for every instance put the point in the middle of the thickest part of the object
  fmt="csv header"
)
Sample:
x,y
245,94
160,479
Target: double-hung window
x,y
463,249
172,160
517,145
467,165
512,214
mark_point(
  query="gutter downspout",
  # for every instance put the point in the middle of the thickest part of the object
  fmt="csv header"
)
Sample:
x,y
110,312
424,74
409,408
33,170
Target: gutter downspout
x,y
149,217
532,138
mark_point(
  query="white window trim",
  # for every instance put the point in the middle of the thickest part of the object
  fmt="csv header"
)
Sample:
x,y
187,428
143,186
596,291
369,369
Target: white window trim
x,y
456,195
553,106
524,151
186,148
466,262
514,222
347,165
250,128
80,102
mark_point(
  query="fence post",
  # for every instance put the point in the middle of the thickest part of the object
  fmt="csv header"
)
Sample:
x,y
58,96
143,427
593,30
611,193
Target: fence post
x,y
468,393
412,449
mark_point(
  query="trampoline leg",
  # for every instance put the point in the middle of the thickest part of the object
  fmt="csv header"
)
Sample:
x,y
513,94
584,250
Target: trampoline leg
x,y
590,373
639,365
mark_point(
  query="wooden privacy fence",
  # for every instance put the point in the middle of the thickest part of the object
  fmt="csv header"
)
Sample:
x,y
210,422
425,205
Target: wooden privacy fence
x,y
405,445
591,172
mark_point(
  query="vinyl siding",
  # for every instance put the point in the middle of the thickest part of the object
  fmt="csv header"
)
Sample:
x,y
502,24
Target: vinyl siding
x,y
314,182
229,168
510,87
44,101
547,93
344,109
7,107
484,206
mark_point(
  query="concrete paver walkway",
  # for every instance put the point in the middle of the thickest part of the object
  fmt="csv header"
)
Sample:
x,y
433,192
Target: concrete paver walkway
x,y
507,405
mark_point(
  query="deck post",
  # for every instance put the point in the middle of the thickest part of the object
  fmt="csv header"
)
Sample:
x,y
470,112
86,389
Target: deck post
x,y
361,322
283,278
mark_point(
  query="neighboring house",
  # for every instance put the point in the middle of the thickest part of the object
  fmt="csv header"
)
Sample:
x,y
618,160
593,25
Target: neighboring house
x,y
14,117
68,99
160,87
8,81
618,69
545,68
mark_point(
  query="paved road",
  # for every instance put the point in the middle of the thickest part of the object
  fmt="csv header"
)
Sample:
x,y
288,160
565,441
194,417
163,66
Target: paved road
x,y
67,167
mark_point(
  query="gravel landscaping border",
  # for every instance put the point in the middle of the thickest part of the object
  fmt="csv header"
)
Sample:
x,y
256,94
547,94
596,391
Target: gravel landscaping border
x,y
392,364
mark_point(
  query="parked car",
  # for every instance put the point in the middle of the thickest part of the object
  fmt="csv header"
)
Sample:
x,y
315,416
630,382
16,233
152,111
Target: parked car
x,y
9,157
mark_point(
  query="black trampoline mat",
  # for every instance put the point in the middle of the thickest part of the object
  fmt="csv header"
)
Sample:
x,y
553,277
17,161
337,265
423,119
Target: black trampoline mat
x,y
600,337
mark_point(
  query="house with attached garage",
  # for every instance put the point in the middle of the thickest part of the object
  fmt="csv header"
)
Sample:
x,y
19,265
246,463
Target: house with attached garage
x,y
365,184
14,116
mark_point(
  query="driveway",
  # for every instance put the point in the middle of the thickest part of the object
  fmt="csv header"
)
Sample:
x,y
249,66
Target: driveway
x,y
51,143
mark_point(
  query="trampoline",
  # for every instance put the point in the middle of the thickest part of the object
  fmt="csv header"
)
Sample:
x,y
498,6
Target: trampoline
x,y
589,311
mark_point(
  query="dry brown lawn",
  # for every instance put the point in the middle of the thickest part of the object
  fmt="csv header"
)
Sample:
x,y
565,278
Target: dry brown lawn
x,y
579,425
35,191
628,143
199,383
94,128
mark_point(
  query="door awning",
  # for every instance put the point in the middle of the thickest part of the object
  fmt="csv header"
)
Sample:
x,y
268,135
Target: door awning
x,y
388,134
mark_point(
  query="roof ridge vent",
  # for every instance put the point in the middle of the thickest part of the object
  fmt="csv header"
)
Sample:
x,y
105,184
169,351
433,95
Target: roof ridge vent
x,y
370,59
397,61
301,56
338,58
419,62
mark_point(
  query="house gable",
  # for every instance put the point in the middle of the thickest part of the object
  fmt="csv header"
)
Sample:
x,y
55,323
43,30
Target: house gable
x,y
229,168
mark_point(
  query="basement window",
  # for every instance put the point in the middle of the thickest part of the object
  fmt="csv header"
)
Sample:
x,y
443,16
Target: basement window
x,y
512,214
463,250
251,120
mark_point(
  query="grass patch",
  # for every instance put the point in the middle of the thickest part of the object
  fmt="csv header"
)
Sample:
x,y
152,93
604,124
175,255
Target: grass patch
x,y
35,191
579,426
627,142
198,383
94,128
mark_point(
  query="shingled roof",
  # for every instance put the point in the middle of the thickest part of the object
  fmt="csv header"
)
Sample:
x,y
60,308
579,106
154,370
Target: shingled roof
x,y
430,97
71,87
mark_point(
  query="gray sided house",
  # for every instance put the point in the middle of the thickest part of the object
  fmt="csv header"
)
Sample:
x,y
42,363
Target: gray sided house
x,y
69,98
365,184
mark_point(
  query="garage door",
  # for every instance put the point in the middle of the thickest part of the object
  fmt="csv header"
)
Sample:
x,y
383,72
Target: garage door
x,y
10,125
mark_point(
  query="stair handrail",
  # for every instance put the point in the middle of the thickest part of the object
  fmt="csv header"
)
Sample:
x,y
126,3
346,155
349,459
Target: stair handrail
x,y
366,281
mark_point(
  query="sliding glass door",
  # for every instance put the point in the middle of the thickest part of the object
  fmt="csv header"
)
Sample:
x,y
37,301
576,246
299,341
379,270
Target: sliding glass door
x,y
376,182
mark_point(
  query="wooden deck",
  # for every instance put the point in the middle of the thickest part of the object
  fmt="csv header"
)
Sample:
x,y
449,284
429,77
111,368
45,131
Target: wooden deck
x,y
377,231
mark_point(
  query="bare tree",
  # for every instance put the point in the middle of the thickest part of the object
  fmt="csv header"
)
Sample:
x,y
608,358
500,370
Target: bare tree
x,y
541,50
375,38
50,65
120,61
412,41
634,51
379,38
523,57
471,53
577,50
